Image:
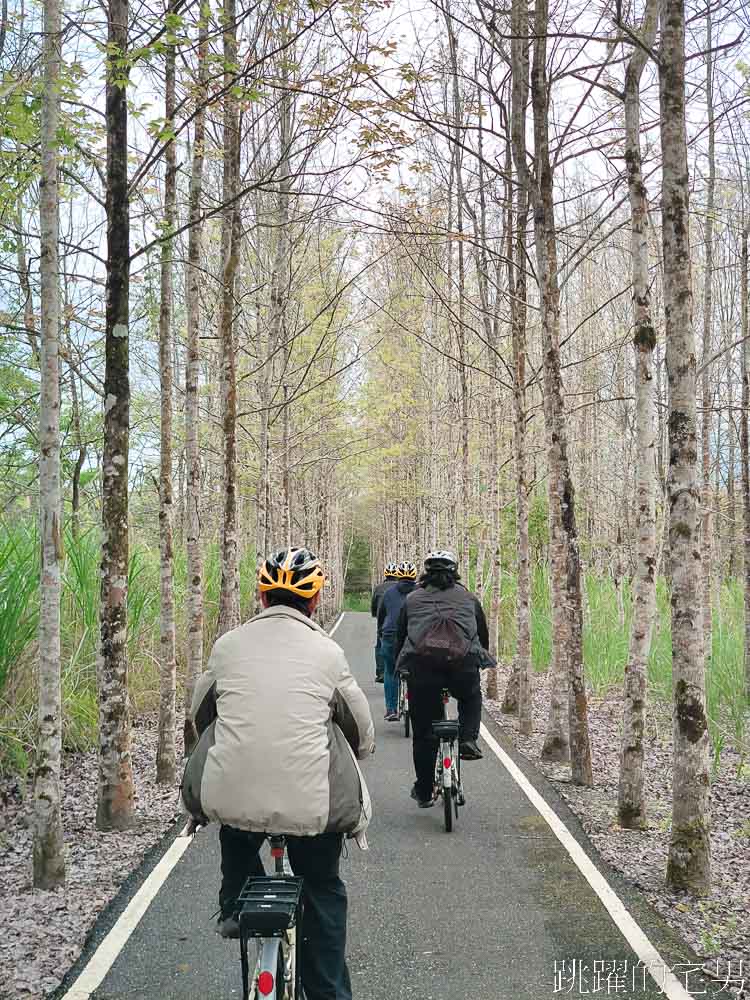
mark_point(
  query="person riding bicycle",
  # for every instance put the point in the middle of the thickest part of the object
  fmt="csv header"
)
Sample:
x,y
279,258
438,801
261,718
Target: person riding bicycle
x,y
390,580
442,641
388,614
281,722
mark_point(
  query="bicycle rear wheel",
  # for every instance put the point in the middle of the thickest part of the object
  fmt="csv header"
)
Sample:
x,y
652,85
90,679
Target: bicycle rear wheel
x,y
448,809
406,723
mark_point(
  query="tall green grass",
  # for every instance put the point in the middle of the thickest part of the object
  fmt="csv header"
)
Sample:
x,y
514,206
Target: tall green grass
x,y
606,638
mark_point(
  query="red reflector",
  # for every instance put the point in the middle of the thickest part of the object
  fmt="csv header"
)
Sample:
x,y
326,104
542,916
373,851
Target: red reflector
x,y
277,852
408,696
265,983
447,763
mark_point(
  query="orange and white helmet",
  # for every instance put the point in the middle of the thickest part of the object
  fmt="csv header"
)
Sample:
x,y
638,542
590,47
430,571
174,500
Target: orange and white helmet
x,y
295,570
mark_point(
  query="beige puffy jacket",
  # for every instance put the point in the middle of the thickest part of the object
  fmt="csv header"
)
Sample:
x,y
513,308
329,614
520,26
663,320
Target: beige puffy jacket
x,y
281,722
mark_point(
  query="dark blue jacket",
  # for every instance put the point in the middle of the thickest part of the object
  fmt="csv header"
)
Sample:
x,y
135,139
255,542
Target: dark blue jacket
x,y
390,607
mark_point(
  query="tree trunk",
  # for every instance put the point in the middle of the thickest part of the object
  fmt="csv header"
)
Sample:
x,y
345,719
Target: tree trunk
x,y
689,865
517,292
631,805
562,495
75,412
49,857
165,752
745,445
229,609
706,500
194,650
115,806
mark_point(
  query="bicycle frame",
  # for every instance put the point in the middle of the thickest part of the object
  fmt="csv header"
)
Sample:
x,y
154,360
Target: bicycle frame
x,y
269,912
447,784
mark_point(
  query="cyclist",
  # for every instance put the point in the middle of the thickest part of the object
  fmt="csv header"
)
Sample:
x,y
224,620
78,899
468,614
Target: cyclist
x,y
388,613
282,721
442,642
390,579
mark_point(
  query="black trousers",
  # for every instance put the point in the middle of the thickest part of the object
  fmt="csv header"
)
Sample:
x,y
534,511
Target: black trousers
x,y
325,975
426,705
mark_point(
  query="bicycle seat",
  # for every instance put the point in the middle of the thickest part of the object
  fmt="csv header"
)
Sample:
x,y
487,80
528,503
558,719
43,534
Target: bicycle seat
x,y
268,904
446,729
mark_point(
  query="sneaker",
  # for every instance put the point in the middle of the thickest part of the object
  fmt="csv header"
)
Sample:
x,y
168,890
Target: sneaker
x,y
391,717
228,927
422,803
469,750
379,678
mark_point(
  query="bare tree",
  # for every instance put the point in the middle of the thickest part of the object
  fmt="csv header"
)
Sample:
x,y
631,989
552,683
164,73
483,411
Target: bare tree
x,y
631,806
49,857
194,646
229,609
116,791
165,753
569,631
689,865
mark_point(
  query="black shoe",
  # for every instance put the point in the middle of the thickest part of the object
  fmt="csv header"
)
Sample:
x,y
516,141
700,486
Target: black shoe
x,y
422,803
228,927
469,750
379,679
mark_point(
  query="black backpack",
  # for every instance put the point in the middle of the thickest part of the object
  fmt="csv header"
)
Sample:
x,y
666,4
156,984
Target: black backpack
x,y
443,640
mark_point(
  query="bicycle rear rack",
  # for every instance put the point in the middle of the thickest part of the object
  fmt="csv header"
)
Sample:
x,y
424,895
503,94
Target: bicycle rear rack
x,y
268,905
446,729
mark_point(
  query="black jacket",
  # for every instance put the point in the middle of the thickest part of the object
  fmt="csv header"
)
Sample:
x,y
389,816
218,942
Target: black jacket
x,y
464,601
377,595
391,605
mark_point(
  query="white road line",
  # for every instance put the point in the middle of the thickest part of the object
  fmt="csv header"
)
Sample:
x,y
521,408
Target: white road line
x,y
103,958
338,622
668,983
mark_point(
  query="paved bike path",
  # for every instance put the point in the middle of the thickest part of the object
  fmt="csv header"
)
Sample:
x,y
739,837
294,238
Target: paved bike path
x,y
483,913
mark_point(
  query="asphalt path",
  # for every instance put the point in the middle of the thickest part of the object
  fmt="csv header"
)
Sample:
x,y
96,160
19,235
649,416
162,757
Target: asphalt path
x,y
497,910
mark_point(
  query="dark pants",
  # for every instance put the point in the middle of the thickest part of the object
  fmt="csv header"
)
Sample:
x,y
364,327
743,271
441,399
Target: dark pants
x,y
426,705
379,664
316,859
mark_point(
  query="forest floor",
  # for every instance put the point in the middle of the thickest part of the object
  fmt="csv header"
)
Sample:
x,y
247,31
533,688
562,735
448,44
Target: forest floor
x,y
44,932
718,927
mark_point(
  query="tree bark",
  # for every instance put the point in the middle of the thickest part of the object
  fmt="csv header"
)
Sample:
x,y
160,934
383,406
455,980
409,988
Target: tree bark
x,y
689,864
115,808
631,806
49,856
229,607
561,485
194,646
165,752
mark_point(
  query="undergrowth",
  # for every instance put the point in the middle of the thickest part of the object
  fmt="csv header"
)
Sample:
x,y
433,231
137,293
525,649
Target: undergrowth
x,y
605,637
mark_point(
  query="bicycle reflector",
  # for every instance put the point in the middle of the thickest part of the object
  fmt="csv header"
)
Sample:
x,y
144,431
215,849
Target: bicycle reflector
x,y
265,983
447,762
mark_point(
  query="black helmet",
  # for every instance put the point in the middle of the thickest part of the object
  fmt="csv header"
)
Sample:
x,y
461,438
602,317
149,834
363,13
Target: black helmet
x,y
441,559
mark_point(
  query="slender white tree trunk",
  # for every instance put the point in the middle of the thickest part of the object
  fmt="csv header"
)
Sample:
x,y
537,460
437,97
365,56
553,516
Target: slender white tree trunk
x,y
194,645
229,605
165,752
745,445
689,865
631,804
706,498
49,857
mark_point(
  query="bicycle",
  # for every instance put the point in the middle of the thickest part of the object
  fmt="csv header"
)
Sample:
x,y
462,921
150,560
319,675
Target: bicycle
x,y
403,704
448,766
269,912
